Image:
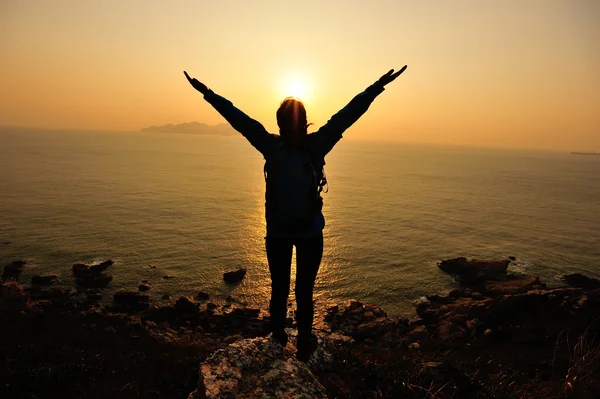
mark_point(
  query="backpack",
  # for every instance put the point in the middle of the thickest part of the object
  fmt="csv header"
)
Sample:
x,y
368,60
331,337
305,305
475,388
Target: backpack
x,y
294,183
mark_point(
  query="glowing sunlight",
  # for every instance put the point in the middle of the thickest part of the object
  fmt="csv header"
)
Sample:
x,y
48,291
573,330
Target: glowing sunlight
x,y
295,86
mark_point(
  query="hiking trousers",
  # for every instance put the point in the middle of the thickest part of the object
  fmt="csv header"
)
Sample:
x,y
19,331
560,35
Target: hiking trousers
x,y
308,259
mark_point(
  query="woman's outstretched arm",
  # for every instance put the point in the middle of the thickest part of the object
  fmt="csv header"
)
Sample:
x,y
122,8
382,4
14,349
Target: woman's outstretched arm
x,y
328,135
248,127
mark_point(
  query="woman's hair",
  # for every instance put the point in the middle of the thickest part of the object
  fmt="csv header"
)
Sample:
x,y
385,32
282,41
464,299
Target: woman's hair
x,y
291,119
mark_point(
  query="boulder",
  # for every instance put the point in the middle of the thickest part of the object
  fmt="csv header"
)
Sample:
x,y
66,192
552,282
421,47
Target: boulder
x,y
333,308
92,276
234,276
129,302
202,296
158,314
102,266
364,323
578,280
376,310
13,270
516,310
185,306
13,297
80,268
43,280
514,284
262,368
417,334
373,329
144,287
352,304
474,270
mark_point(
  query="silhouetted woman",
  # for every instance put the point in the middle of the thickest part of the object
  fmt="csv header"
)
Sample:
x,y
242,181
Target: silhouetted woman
x,y
294,182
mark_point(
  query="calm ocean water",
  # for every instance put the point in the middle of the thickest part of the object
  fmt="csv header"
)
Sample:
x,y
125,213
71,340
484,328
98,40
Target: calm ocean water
x,y
193,207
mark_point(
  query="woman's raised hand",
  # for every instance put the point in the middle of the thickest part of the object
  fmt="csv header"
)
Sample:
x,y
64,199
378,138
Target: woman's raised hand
x,y
389,77
201,87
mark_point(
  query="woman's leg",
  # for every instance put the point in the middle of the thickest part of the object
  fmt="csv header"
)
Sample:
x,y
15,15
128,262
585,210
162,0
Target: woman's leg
x,y
308,259
279,256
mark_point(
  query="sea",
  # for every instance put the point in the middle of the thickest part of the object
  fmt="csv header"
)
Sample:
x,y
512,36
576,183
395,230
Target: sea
x,y
178,210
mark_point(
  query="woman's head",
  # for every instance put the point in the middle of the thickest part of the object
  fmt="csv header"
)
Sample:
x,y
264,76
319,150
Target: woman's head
x,y
291,119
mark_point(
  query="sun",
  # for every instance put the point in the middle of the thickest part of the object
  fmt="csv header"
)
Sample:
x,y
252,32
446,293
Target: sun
x,y
295,86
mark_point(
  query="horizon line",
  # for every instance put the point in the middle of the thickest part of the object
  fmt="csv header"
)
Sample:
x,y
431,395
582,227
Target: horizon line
x,y
348,138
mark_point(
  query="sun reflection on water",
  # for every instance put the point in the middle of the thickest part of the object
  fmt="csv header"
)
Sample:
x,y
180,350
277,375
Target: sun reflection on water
x,y
256,288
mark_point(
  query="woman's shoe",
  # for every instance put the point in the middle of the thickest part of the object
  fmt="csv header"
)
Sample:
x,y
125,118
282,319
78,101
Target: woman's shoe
x,y
305,346
281,337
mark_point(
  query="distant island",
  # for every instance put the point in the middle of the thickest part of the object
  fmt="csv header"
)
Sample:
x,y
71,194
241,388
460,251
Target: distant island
x,y
222,129
585,153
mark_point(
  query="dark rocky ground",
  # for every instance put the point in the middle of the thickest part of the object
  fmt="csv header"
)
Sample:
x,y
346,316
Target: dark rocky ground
x,y
496,336
71,356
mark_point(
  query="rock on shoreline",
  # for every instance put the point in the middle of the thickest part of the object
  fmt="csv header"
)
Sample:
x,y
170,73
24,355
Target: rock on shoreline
x,y
13,270
474,270
578,280
92,276
234,276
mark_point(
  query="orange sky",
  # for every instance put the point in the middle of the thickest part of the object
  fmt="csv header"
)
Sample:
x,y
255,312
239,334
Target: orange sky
x,y
510,73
